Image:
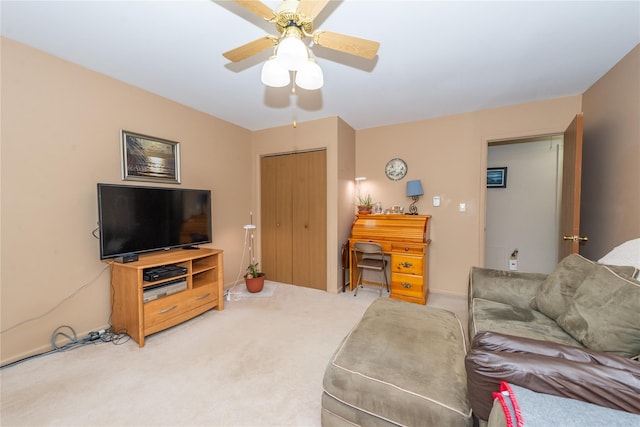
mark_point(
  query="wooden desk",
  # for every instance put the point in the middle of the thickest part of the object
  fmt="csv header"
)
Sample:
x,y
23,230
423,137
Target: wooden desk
x,y
405,238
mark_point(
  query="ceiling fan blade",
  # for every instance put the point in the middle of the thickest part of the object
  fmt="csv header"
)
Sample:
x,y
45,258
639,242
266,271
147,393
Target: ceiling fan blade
x,y
257,8
311,8
348,44
250,49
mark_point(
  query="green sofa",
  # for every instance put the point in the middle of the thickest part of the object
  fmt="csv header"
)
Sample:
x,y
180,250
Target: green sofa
x,y
573,333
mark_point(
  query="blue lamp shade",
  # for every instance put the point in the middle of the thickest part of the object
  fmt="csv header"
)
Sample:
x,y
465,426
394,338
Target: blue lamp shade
x,y
414,188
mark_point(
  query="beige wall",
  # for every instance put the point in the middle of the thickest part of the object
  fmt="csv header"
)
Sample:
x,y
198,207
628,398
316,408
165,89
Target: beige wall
x,y
346,184
449,156
60,136
610,207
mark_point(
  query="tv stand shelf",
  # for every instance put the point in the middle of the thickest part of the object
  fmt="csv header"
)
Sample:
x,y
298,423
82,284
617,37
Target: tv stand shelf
x,y
131,315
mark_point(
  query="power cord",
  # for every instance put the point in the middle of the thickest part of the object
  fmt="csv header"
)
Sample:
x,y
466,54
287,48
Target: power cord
x,y
230,292
69,341
58,304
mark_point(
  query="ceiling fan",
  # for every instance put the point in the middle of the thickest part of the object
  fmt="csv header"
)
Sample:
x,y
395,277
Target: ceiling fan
x,y
294,21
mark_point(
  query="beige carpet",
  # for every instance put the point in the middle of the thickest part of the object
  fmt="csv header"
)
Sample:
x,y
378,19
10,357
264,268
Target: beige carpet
x,y
259,362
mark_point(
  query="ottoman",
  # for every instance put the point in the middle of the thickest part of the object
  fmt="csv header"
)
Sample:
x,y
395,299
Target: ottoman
x,y
402,364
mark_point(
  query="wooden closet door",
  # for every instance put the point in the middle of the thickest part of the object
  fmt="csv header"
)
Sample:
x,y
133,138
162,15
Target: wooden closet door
x,y
277,215
310,219
294,223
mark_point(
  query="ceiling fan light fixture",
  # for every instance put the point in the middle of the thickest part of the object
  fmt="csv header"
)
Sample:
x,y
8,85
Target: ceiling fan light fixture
x,y
273,74
310,76
292,52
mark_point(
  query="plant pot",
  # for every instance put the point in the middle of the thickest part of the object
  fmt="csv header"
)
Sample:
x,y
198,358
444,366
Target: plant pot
x,y
364,210
254,284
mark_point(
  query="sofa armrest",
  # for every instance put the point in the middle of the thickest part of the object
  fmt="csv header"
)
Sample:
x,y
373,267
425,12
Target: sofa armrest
x,y
556,370
508,287
494,341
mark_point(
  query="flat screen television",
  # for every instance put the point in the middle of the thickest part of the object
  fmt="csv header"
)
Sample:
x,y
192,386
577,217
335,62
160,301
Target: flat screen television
x,y
133,219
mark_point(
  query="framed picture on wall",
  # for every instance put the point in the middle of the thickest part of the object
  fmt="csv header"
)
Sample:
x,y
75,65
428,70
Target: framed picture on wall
x,y
146,158
497,177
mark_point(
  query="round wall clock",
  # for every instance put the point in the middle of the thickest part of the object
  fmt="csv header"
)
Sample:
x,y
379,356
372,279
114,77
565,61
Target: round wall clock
x,y
396,169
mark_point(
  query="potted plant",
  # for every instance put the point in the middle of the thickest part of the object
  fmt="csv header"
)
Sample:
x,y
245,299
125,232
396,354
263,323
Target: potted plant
x,y
364,204
254,279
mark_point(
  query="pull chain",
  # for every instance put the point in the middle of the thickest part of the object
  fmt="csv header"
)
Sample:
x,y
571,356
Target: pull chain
x,y
293,92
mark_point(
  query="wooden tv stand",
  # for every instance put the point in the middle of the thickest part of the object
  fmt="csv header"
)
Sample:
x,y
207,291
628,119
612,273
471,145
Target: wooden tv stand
x,y
131,315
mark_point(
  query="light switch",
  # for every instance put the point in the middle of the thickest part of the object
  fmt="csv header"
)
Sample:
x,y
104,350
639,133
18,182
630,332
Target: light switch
x,y
463,207
436,201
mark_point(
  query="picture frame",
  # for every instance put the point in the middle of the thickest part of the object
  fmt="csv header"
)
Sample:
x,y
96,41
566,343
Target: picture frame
x,y
497,177
151,159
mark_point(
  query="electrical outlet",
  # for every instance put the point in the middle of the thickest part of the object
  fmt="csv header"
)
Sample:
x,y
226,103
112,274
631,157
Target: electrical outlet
x,y
513,264
436,201
463,207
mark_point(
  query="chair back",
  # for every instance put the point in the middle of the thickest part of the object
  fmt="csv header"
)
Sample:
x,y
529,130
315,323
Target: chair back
x,y
367,248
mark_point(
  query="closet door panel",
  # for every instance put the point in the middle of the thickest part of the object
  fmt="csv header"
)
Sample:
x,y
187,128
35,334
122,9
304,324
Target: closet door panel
x,y
309,231
276,175
284,221
268,202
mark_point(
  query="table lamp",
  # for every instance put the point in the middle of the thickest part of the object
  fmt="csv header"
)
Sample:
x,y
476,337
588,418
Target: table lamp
x,y
414,190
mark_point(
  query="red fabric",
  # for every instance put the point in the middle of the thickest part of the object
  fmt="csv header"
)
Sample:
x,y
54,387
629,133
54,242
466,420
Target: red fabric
x,y
505,408
507,392
504,386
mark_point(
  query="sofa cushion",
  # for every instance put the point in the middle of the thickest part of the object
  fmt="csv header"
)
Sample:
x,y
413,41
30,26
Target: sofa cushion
x,y
604,313
515,288
557,290
523,322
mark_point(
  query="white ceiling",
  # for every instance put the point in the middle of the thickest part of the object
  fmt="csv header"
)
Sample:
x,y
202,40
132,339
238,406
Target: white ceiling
x,y
436,57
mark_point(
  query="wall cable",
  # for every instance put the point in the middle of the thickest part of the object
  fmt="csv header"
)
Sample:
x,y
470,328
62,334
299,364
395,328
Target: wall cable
x,y
31,319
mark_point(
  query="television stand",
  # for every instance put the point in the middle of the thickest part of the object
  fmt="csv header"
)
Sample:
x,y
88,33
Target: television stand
x,y
204,291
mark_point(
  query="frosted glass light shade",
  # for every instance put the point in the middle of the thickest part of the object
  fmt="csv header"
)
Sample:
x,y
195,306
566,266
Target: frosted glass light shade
x,y
273,74
309,76
292,53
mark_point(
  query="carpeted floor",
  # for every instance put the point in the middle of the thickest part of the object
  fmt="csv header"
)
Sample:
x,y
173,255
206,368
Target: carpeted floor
x,y
259,362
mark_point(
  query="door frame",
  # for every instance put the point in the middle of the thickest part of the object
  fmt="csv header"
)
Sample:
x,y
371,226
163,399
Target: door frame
x,y
482,220
556,196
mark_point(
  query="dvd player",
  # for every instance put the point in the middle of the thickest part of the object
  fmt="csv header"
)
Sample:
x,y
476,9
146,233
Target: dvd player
x,y
159,273
151,293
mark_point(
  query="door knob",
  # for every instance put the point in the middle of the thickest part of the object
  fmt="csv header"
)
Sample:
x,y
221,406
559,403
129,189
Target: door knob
x,y
575,238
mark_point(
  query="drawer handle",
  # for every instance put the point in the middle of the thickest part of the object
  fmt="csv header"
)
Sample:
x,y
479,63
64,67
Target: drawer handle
x,y
406,264
166,310
203,296
406,285
406,249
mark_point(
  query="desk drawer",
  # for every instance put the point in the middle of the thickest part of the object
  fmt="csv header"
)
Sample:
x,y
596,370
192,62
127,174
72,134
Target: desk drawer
x,y
407,264
407,248
407,284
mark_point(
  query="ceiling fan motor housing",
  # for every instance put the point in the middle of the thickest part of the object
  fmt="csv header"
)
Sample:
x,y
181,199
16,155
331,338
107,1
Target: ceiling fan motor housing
x,y
287,15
